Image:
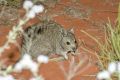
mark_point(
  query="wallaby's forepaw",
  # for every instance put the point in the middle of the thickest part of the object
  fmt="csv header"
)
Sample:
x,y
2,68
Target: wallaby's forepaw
x,y
65,56
73,53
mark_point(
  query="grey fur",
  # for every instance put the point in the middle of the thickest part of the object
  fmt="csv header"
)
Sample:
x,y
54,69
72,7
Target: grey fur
x,y
48,38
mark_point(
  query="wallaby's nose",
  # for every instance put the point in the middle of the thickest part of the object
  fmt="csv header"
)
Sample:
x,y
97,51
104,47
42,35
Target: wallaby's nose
x,y
74,49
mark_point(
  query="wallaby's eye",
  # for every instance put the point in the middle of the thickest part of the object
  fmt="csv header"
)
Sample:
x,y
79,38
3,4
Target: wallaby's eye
x,y
68,43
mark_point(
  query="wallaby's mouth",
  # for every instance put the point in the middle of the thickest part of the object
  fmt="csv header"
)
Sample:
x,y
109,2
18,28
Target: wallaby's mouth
x,y
69,51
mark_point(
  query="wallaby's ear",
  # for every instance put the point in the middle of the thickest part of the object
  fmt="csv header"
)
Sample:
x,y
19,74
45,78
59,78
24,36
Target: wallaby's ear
x,y
71,30
64,32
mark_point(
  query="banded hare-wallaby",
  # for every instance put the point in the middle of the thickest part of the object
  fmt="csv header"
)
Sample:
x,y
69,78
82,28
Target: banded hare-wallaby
x,y
48,38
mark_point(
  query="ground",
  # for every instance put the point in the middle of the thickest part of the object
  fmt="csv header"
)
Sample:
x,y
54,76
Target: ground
x,y
90,16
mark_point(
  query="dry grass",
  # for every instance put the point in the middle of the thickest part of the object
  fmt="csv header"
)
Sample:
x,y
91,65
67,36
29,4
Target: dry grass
x,y
109,50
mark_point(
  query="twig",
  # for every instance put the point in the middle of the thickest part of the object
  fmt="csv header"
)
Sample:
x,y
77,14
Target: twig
x,y
13,34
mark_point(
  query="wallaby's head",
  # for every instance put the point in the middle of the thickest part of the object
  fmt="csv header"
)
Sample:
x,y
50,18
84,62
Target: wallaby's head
x,y
69,42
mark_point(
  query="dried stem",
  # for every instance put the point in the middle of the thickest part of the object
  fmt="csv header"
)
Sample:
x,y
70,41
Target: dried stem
x,y
13,34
